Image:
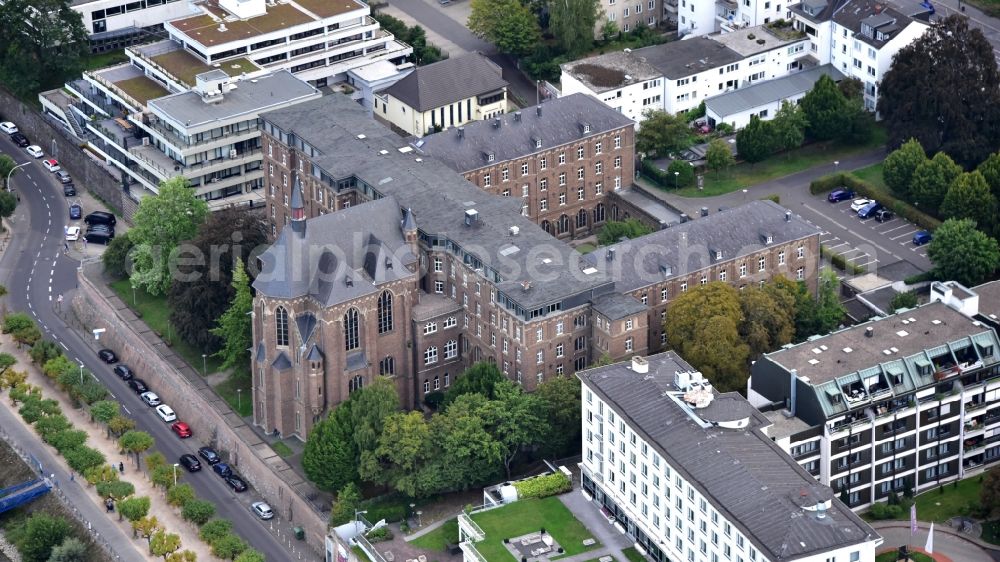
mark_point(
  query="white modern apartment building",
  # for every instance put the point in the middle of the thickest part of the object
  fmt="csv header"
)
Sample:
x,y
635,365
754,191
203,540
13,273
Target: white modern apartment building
x,y
165,114
858,37
696,17
113,24
688,473
902,403
679,75
628,15
317,40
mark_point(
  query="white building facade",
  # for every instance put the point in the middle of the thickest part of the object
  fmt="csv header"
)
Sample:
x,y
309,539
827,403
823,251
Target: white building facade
x,y
113,24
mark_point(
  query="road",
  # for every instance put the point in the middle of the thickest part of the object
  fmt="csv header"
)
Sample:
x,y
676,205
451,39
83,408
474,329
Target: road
x,y
882,245
35,272
428,13
958,549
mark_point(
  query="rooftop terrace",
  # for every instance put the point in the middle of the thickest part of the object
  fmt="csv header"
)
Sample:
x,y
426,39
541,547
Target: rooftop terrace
x,y
210,32
184,66
328,8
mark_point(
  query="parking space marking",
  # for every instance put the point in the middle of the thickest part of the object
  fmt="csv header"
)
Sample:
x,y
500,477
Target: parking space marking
x,y
904,225
910,233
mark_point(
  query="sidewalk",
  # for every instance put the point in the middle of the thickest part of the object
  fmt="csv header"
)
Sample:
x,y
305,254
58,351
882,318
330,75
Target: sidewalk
x,y
588,513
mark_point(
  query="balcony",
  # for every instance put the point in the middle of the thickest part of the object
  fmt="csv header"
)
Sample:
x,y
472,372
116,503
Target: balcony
x,y
470,552
170,136
975,406
470,528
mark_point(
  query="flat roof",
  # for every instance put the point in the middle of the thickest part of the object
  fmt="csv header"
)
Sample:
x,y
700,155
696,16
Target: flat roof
x,y
758,39
611,71
753,483
784,426
250,97
206,30
327,8
989,299
687,57
910,332
185,66
769,91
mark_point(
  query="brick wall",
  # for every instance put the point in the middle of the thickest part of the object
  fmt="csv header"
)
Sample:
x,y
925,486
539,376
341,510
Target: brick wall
x,y
211,419
87,174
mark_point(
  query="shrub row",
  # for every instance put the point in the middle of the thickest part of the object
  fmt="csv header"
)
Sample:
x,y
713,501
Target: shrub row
x,y
863,188
840,262
543,486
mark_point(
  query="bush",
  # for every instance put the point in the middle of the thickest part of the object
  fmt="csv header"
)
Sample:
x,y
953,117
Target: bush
x,y
67,439
379,535
543,486
434,399
43,351
773,197
83,457
885,511
117,489
680,174
198,511
392,508
919,278
50,426
214,529
228,546
180,495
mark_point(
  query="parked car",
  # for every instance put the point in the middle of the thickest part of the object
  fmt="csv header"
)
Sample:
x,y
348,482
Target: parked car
x,y
839,195
51,165
63,177
869,210
209,454
101,217
72,233
8,127
69,190
236,483
222,469
262,510
107,229
859,204
103,238
182,429
35,151
166,413
190,462
124,372
107,356
75,212
20,140
884,215
138,386
150,398
922,237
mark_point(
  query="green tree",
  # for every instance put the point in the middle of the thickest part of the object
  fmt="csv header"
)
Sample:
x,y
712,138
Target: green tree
x,y
765,326
183,556
49,426
21,328
969,197
146,527
329,459
609,30
163,543
755,141
404,447
136,442
572,23
164,476
560,399
214,529
822,313
825,109
71,550
943,89
851,88
370,407
43,351
682,173
719,157
235,325
120,424
228,547
907,299
962,253
116,257
613,231
514,420
990,169
899,167
662,133
104,411
470,454
7,167
116,490
932,179
344,508
198,511
42,46
159,226
989,494
81,458
703,328
180,495
155,460
8,204
66,440
250,555
480,377
789,126
40,534
508,24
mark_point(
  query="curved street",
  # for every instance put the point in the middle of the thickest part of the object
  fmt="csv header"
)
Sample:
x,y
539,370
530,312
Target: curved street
x,y
947,542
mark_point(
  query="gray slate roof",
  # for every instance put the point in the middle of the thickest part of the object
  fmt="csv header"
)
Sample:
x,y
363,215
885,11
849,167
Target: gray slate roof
x,y
448,81
438,198
989,299
343,256
249,98
561,122
734,232
769,91
747,478
615,306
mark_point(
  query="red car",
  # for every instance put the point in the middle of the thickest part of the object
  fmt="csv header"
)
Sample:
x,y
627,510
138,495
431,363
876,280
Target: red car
x,y
181,429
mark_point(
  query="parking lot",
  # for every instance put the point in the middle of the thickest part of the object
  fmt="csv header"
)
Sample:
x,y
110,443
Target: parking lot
x,y
896,232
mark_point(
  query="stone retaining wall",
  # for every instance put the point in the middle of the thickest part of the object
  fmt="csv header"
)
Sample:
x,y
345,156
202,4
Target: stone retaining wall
x,y
211,419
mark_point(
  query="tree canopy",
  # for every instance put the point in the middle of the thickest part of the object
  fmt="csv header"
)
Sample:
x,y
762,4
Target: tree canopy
x,y
330,456
963,253
901,164
662,133
969,197
43,44
826,110
755,142
719,157
614,231
931,180
480,378
39,535
572,23
235,325
789,126
508,24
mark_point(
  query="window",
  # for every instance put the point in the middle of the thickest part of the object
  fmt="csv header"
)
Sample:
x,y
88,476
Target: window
x,y
628,344
597,148
562,178
598,189
450,322
628,324
543,204
562,198
486,180
800,252
543,184
800,273
430,357
438,265
559,350
760,263
387,366
543,163
540,357
451,349
663,295
439,287
281,325
430,328
599,167
562,158
385,312
743,269
618,141
722,275
781,258
505,174
579,194
579,153
351,329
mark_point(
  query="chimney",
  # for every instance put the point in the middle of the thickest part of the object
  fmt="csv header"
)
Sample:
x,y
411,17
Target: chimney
x,y
514,230
870,332
461,132
610,255
517,116
793,377
788,216
640,365
496,122
538,110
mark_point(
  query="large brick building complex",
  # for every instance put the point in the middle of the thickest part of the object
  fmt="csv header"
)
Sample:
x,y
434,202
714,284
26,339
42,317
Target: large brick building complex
x,y
386,262
559,158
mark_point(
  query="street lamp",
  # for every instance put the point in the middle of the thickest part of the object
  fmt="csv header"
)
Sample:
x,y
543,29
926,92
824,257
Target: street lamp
x,y
359,512
745,191
204,364
677,176
419,523
54,155
413,508
81,374
7,183
836,165
175,473
133,296
239,399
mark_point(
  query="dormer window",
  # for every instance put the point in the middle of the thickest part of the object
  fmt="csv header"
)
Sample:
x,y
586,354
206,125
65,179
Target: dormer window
x,y
490,157
538,143
586,128
718,254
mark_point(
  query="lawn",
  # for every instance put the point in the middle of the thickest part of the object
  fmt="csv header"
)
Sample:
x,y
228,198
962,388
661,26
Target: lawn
x,y
633,555
892,556
991,7
155,313
282,449
439,538
104,60
933,505
779,165
586,248
528,516
872,175
240,380
142,89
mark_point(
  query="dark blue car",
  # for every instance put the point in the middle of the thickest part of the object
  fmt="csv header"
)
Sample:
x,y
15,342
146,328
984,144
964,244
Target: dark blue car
x,y
222,469
75,212
869,210
922,237
840,195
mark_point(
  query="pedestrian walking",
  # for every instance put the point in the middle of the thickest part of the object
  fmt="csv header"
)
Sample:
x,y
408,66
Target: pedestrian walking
x,y
121,467
59,302
72,476
65,247
84,243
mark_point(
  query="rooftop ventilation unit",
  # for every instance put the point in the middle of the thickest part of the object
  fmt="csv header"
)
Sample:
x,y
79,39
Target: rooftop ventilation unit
x,y
362,136
514,230
496,122
788,216
461,132
869,332
610,255
640,365
517,116
471,217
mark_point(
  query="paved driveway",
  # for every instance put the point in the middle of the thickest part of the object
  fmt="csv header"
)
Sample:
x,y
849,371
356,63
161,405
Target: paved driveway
x,y
955,547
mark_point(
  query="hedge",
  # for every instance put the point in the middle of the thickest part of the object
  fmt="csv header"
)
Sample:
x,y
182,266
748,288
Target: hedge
x,y
863,188
543,486
655,174
840,262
